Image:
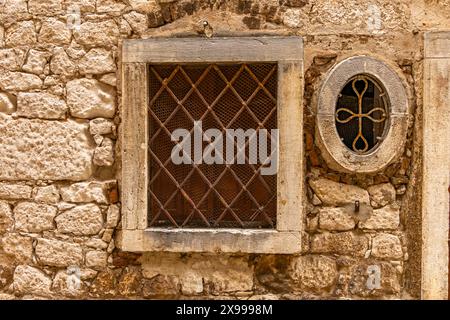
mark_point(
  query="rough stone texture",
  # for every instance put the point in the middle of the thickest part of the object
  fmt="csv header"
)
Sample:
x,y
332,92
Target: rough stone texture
x,y
386,246
113,216
58,253
161,286
332,193
88,192
30,280
6,218
315,272
47,194
61,64
389,279
384,218
137,21
89,98
336,219
381,194
104,154
36,61
20,247
97,61
39,149
40,105
97,33
101,126
62,284
14,191
46,7
54,32
96,259
130,282
21,33
81,220
34,217
221,273
19,81
7,103
11,59
345,243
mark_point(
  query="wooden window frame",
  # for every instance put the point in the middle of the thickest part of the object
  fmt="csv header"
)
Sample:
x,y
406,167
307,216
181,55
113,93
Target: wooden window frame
x,y
135,236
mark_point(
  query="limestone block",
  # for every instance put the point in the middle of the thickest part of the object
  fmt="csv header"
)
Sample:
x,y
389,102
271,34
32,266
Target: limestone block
x,y
314,272
14,191
101,126
34,217
361,285
137,21
110,6
30,280
46,7
20,247
89,98
20,34
381,194
47,194
96,259
7,103
40,105
32,149
97,61
113,216
36,61
64,285
338,219
6,217
104,154
54,32
11,59
19,81
81,220
387,246
345,243
104,33
94,191
384,218
333,193
58,253
61,63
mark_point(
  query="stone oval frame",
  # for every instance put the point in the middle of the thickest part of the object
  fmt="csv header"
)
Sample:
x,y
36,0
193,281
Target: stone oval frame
x,y
337,155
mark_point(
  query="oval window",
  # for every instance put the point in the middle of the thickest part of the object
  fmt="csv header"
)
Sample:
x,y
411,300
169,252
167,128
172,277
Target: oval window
x,y
362,113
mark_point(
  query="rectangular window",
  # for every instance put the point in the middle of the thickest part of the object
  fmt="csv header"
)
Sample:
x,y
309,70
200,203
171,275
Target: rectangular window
x,y
212,145
221,97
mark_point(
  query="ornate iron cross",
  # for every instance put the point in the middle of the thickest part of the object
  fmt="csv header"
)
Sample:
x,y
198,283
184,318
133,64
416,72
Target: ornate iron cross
x,y
360,115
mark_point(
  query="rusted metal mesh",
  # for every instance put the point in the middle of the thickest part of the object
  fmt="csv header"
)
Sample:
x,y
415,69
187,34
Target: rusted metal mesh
x,y
221,96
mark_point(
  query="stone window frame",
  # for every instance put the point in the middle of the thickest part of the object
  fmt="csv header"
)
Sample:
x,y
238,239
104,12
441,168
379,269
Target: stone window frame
x,y
337,155
287,52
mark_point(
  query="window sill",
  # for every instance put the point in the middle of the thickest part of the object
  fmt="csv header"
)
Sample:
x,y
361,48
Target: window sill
x,y
210,240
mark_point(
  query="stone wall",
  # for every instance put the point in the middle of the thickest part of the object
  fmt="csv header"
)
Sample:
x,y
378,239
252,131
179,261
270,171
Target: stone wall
x,y
60,154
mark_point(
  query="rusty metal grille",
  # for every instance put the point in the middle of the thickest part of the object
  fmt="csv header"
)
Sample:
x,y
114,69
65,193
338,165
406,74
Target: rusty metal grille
x,y
222,96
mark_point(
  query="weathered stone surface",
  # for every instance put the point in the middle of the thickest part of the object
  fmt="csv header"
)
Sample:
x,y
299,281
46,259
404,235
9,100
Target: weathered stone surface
x,y
58,253
36,61
7,103
221,273
161,286
68,284
101,126
19,81
46,7
137,21
384,218
314,272
96,259
61,63
274,273
14,191
110,6
381,194
104,154
75,51
89,98
83,5
40,105
341,243
130,282
109,79
6,217
337,219
94,34
105,284
30,280
113,216
362,285
17,246
40,149
94,191
21,33
97,61
34,217
97,244
386,246
13,6
81,220
47,194
11,59
54,32
332,193
293,18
